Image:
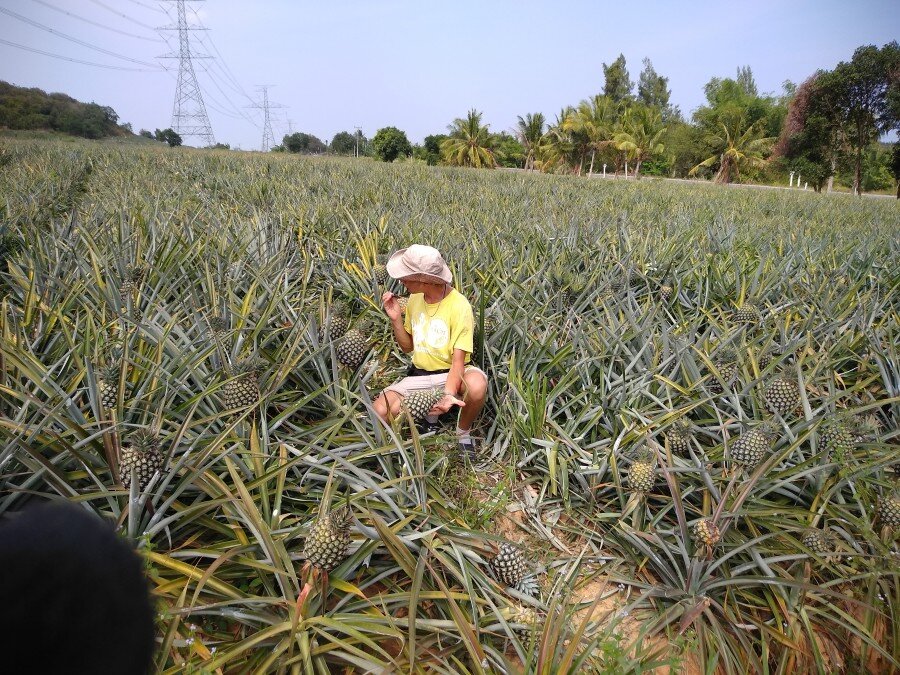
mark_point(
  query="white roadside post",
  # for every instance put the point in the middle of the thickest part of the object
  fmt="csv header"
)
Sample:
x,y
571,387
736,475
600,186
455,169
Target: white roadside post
x,y
798,180
626,169
791,184
604,170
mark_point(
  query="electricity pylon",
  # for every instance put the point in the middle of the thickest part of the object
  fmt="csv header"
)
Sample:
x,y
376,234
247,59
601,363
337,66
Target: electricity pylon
x,y
189,116
268,140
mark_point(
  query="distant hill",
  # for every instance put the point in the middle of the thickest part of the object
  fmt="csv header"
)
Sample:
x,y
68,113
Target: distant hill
x,y
23,108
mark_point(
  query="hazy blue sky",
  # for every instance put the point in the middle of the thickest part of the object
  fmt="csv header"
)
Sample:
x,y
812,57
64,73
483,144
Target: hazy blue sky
x,y
418,64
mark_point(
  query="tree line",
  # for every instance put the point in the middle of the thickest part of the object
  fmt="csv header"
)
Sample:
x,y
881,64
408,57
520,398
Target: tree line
x,y
827,128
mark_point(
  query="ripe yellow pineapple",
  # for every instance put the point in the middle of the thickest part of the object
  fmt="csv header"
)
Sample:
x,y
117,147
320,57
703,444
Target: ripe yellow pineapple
x,y
706,534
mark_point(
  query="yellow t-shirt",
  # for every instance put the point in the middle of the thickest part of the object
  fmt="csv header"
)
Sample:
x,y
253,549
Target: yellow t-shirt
x,y
438,329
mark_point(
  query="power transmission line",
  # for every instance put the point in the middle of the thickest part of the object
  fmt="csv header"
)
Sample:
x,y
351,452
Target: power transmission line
x,y
124,16
25,19
150,7
69,58
189,116
94,23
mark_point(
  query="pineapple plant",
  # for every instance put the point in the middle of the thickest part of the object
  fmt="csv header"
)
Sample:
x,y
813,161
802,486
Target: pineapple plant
x,y
642,475
509,566
782,396
752,446
726,366
353,346
141,454
417,403
679,437
108,377
242,389
888,510
328,539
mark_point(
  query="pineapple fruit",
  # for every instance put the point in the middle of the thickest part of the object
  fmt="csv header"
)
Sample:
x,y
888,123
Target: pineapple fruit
x,y
747,313
418,403
509,566
679,437
242,390
815,540
108,384
665,292
352,347
379,270
218,327
706,533
142,455
642,475
131,280
783,394
727,368
837,441
328,539
336,324
752,446
888,510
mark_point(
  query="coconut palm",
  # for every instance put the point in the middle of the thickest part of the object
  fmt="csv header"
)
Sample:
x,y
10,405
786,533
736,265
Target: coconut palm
x,y
530,132
640,136
593,121
737,146
559,148
469,143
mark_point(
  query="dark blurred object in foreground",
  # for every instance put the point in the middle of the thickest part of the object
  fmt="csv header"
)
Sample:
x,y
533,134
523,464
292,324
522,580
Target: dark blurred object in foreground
x,y
73,597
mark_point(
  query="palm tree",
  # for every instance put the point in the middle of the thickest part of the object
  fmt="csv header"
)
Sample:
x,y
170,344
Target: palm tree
x,y
594,121
640,136
530,132
736,148
558,147
469,143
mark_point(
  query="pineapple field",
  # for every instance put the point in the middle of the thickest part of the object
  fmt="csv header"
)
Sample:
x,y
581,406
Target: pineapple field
x,y
689,457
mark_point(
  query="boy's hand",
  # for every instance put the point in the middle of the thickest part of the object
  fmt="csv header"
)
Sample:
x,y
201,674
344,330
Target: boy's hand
x,y
445,404
391,306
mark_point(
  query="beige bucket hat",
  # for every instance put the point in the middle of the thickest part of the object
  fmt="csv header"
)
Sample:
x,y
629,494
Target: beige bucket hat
x,y
419,259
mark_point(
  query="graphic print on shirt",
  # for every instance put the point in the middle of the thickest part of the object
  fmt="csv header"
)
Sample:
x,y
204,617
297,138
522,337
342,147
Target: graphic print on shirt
x,y
430,336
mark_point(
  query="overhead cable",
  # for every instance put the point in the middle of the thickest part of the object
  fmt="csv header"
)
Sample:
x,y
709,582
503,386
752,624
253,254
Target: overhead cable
x,y
99,25
124,16
75,40
68,58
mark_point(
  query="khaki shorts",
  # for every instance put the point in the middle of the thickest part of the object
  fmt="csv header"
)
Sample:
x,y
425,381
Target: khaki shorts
x,y
419,382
